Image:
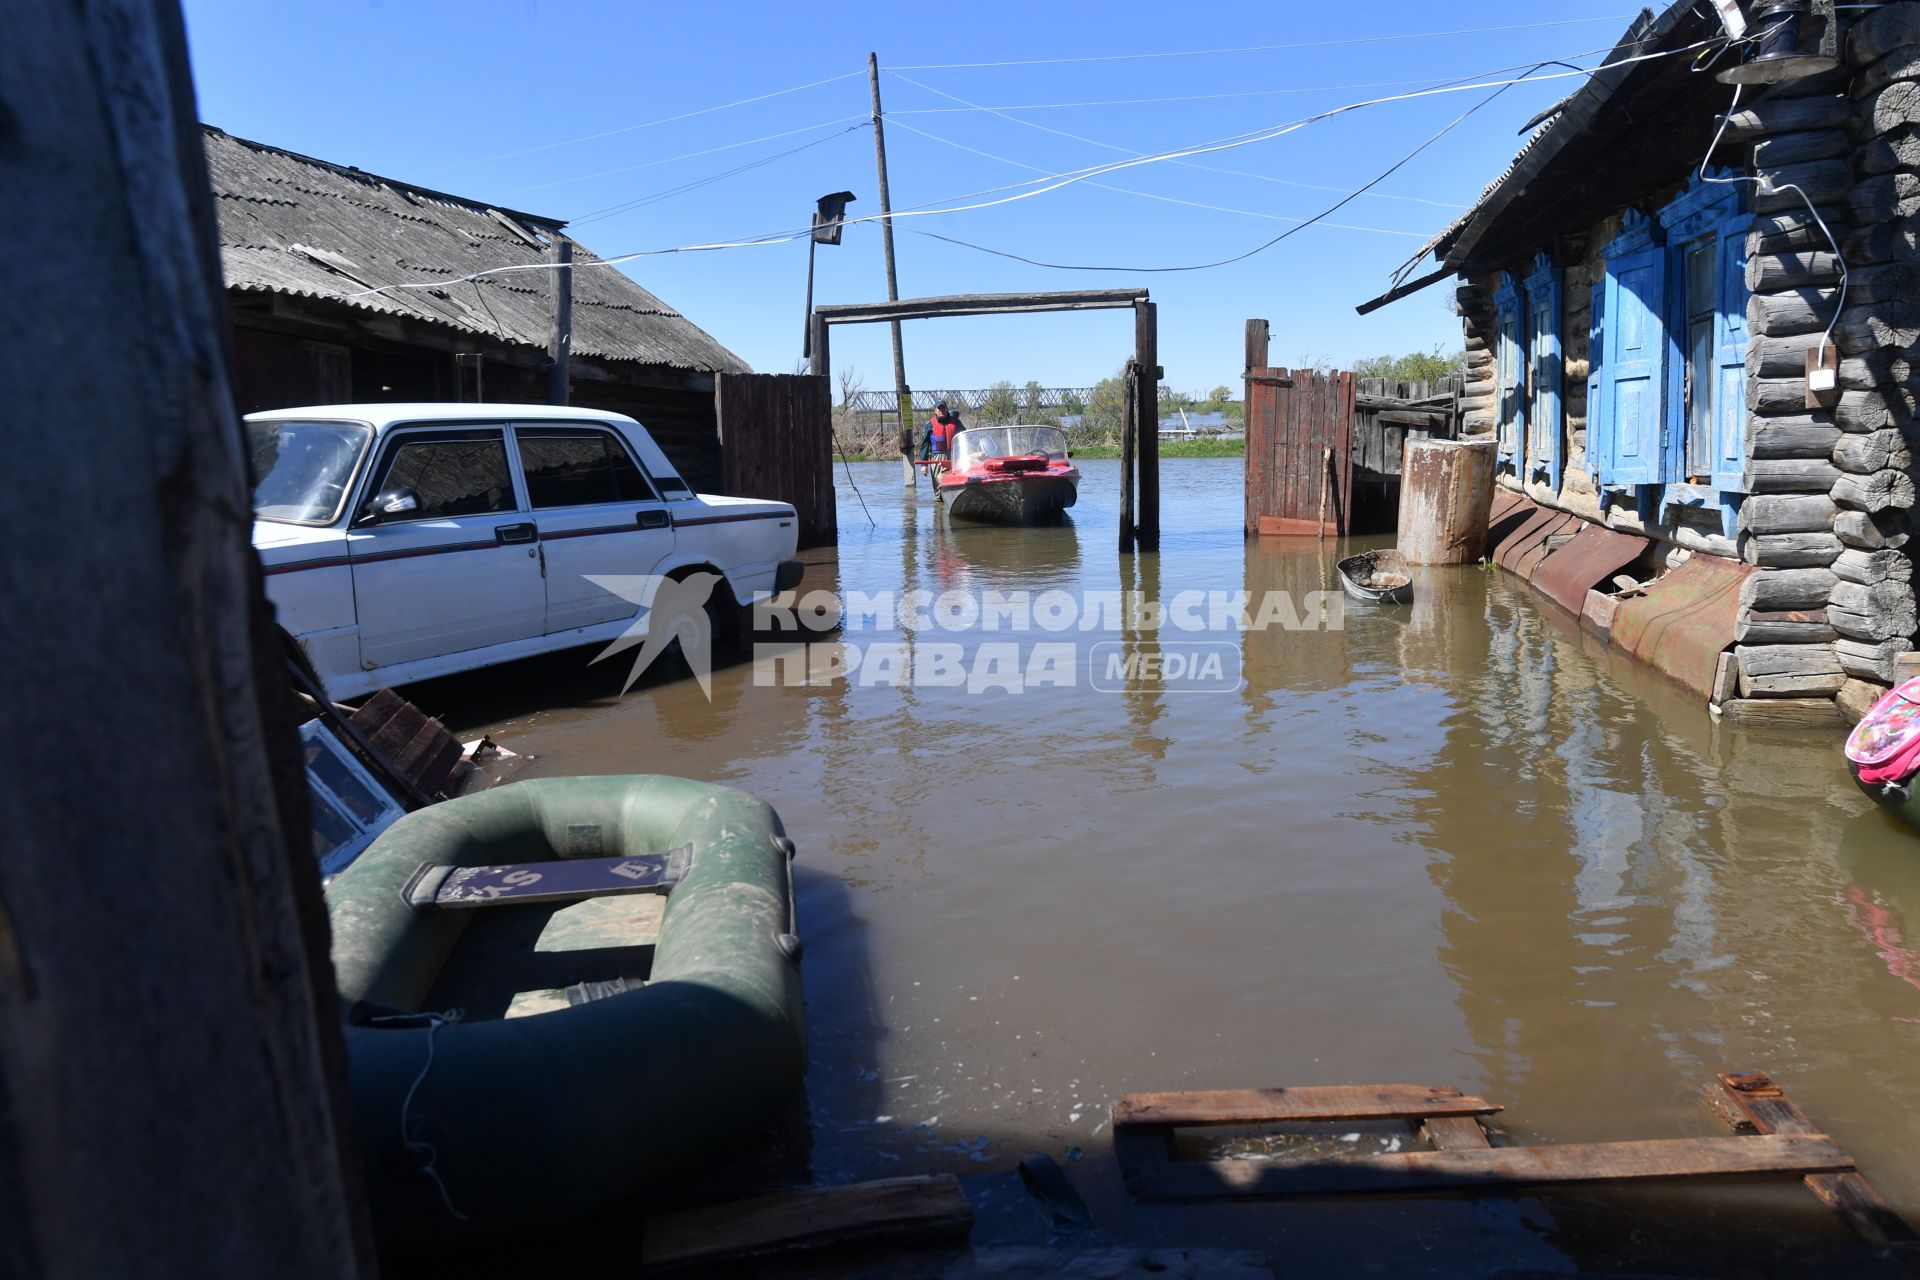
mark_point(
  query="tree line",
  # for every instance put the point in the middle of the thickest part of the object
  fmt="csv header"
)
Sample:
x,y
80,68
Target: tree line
x,y
1096,420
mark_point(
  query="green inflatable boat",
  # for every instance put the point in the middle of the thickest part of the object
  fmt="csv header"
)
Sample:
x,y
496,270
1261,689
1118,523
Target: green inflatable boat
x,y
533,1030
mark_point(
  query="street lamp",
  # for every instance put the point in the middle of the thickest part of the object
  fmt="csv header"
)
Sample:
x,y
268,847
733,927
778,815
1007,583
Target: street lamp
x,y
829,216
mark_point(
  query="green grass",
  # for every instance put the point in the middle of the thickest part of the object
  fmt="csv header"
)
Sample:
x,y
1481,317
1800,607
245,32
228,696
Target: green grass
x,y
1172,449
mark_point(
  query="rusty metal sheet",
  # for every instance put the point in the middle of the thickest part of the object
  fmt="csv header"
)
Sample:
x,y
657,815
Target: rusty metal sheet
x,y
1684,620
1595,554
1506,502
1529,560
1524,535
1509,511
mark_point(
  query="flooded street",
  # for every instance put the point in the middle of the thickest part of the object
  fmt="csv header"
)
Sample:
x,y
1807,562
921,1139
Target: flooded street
x,y
1459,844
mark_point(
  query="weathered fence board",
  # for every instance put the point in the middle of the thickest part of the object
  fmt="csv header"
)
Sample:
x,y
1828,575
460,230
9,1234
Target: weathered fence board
x,y
776,441
1292,421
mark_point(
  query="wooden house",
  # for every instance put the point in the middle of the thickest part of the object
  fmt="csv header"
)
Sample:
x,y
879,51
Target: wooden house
x,y
1650,294
311,249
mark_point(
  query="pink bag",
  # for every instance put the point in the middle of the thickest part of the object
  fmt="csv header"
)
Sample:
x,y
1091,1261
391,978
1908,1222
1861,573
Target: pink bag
x,y
1885,745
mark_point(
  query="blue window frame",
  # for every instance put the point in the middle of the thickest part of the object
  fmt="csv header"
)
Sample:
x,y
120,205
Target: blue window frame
x,y
1667,403
1510,374
1543,414
1527,373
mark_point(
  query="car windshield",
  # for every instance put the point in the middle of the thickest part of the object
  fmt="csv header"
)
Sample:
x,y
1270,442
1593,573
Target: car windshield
x,y
303,468
976,444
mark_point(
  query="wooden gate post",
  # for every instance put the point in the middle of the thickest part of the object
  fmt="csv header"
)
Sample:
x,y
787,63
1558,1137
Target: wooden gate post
x,y
1146,345
1129,424
172,1069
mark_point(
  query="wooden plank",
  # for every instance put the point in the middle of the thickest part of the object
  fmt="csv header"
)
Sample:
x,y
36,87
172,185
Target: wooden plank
x,y
1789,713
1281,527
1497,1168
1318,1102
1752,1101
1455,1133
1257,338
979,304
813,1218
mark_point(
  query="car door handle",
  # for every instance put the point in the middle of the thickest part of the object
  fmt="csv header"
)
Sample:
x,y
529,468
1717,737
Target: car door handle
x,y
654,519
508,534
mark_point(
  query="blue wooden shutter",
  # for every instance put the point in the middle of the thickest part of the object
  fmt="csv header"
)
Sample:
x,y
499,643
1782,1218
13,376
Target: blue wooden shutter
x,y
1510,372
1599,425
1730,359
1543,378
1636,349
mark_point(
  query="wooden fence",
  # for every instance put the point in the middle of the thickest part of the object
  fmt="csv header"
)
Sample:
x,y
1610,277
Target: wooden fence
x,y
1299,451
776,441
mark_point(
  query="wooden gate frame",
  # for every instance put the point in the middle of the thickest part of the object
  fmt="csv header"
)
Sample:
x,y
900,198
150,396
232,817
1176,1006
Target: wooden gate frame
x,y
1139,525
1293,419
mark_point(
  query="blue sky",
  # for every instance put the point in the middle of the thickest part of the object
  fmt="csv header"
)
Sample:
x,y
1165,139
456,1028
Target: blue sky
x,y
501,100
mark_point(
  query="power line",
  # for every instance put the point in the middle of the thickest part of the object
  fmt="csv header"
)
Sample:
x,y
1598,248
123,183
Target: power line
x,y
655,198
691,155
1042,186
631,128
1258,48
1270,133
1134,102
1002,112
1152,195
1260,248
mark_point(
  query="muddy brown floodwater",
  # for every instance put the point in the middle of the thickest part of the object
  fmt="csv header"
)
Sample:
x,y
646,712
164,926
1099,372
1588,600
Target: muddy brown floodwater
x,y
1459,844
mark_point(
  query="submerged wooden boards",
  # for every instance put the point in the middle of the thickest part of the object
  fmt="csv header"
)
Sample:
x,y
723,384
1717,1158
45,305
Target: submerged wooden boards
x,y
1753,1102
1274,1106
1281,527
1683,621
414,748
1463,1158
1468,1169
814,1217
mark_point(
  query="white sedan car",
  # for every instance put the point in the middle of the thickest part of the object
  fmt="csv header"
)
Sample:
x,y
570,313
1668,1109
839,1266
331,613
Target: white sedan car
x,y
405,541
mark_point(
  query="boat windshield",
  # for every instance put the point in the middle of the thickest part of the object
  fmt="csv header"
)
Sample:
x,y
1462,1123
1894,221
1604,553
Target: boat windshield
x,y
303,469
976,444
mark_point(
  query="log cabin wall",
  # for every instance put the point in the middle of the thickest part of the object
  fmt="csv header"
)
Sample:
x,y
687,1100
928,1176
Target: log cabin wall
x,y
1828,479
1871,599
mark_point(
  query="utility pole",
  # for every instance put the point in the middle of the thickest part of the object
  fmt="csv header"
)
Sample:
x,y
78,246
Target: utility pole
x,y
903,399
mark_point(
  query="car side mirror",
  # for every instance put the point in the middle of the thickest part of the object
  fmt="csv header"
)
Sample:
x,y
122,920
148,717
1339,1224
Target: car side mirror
x,y
399,501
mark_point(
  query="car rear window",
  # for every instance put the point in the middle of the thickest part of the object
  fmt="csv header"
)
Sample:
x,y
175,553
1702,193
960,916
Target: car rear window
x,y
569,467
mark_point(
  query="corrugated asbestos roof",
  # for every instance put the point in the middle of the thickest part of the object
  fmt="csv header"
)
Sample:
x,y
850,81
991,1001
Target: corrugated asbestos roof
x,y
301,227
1569,116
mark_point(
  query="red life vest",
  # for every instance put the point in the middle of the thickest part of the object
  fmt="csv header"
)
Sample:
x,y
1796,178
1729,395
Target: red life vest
x,y
942,432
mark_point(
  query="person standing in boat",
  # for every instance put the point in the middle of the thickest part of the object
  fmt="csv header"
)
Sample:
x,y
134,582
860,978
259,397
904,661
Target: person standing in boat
x,y
941,429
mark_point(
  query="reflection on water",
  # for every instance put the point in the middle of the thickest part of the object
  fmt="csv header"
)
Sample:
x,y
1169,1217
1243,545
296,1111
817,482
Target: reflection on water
x,y
1453,843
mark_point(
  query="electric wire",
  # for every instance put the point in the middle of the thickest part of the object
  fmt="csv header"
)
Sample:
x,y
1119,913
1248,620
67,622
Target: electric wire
x,y
1045,186
1257,249
1153,195
1005,114
649,124
1139,102
641,202
691,155
1826,336
1261,48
